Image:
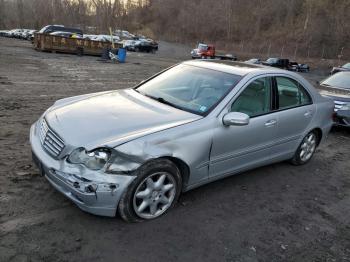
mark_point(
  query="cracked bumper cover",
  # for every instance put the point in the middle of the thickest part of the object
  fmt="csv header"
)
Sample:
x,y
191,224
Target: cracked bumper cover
x,y
92,191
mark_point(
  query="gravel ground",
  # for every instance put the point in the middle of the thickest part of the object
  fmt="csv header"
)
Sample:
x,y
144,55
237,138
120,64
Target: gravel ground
x,y
275,213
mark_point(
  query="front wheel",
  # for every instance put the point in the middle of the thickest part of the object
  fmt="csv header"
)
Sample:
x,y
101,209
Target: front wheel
x,y
154,191
306,149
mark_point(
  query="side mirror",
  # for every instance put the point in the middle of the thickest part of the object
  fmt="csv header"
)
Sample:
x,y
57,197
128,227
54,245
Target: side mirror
x,y
235,119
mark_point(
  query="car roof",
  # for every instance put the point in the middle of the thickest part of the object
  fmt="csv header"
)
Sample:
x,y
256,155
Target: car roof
x,y
233,67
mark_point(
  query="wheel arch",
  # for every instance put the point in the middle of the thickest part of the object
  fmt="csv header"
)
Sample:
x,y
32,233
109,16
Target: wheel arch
x,y
182,166
319,134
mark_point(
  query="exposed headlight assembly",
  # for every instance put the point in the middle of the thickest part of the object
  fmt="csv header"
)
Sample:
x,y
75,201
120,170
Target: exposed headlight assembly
x,y
93,160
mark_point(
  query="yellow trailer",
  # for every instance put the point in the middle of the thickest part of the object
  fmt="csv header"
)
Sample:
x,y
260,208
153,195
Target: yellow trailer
x,y
54,43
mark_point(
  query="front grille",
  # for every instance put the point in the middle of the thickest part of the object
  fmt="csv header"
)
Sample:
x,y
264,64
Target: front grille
x,y
338,105
51,142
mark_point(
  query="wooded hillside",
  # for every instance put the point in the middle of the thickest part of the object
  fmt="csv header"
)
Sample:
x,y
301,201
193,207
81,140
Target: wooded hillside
x,y
308,28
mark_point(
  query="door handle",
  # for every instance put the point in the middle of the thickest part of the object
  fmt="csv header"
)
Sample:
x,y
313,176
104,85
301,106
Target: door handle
x,y
271,122
308,113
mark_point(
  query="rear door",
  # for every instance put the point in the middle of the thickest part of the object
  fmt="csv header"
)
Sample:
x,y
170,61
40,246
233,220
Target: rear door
x,y
295,112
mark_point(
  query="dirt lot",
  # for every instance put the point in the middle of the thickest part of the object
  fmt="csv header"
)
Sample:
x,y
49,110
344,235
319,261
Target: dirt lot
x,y
275,213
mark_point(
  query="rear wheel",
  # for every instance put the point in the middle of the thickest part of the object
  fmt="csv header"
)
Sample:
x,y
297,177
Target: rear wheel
x,y
154,191
306,149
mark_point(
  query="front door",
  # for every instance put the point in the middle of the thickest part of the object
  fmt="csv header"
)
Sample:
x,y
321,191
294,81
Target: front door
x,y
236,148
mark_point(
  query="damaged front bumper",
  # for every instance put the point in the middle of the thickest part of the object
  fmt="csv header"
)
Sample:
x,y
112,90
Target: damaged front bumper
x,y
92,191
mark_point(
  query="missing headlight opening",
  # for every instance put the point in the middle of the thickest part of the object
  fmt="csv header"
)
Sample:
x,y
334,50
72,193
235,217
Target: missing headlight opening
x,y
93,160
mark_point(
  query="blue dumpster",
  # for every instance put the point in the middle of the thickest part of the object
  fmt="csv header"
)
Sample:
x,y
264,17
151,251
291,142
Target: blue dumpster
x,y
121,55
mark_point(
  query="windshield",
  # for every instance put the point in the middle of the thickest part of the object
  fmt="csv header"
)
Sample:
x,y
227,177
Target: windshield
x,y
340,80
202,47
347,66
272,60
190,88
42,30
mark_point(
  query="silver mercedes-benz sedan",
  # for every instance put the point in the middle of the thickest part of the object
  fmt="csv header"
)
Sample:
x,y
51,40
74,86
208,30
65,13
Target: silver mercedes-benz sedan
x,y
135,150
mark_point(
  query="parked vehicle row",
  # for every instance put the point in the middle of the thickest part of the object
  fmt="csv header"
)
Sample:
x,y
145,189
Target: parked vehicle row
x,y
136,43
282,63
26,34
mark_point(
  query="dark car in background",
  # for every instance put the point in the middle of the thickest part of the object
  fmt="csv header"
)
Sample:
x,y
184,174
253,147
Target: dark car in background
x,y
342,68
277,62
295,66
54,28
146,46
337,87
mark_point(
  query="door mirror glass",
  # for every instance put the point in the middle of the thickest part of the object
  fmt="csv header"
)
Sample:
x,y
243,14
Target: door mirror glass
x,y
235,119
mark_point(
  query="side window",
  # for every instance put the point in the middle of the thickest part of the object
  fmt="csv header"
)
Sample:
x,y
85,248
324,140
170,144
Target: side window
x,y
291,93
255,99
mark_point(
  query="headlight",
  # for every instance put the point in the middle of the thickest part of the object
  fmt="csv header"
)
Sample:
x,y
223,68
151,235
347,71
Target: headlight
x,y
94,160
345,107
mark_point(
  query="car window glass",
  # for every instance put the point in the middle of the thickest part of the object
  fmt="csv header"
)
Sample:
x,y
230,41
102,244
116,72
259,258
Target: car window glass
x,y
291,93
190,88
255,99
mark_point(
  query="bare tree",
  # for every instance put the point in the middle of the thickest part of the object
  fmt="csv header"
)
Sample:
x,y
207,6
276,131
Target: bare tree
x,y
315,27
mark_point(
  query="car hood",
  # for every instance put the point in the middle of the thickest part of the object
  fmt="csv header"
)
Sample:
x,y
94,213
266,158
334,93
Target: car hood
x,y
339,68
112,118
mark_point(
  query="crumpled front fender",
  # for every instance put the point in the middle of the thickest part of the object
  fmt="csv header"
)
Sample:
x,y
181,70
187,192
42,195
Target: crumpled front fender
x,y
188,143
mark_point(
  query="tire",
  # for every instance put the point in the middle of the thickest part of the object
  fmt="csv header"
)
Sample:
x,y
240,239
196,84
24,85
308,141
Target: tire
x,y
144,194
306,149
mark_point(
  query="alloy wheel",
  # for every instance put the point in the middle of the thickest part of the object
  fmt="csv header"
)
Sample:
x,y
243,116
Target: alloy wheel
x,y
308,147
154,195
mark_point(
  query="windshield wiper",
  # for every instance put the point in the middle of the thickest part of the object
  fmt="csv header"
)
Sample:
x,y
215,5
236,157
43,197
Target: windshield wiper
x,y
163,101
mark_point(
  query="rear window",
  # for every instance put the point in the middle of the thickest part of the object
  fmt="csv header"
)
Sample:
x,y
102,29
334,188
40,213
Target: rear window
x,y
42,30
291,93
272,60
